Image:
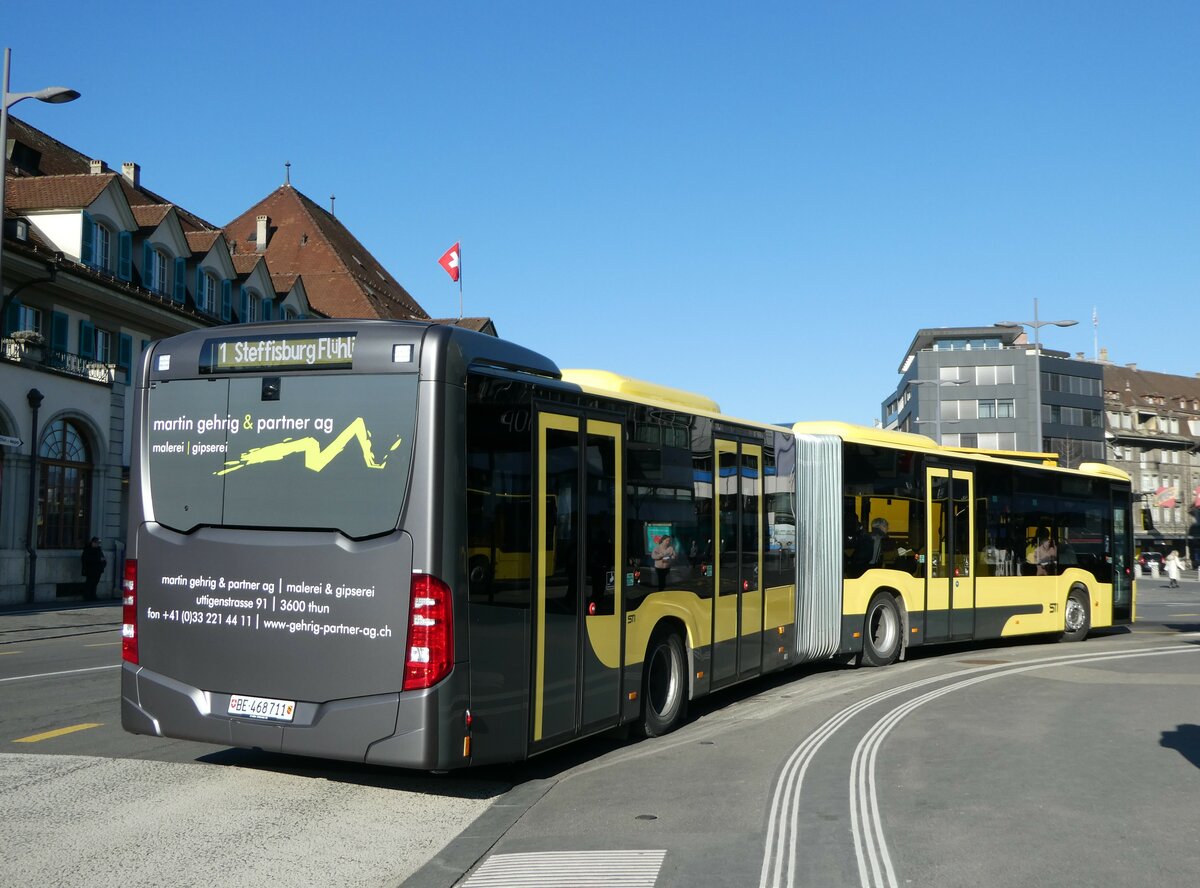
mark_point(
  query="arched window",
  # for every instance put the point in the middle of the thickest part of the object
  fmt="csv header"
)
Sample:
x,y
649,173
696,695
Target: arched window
x,y
65,487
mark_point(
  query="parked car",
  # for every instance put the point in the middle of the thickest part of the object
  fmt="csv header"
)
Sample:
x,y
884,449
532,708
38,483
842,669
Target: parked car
x,y
1151,558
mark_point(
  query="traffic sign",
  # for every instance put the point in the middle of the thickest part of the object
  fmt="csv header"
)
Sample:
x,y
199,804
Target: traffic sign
x,y
7,441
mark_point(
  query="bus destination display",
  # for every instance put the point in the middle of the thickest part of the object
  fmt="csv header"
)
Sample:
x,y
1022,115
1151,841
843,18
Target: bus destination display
x,y
331,351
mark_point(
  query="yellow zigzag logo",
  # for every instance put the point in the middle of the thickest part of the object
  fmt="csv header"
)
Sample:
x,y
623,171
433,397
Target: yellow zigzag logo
x,y
316,457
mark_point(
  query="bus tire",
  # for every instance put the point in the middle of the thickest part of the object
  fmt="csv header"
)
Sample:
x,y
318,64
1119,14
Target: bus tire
x,y
882,635
664,684
1077,616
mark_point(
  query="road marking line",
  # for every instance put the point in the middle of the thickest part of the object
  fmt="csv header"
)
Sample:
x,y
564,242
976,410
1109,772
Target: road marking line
x,y
6,653
34,738
101,644
64,672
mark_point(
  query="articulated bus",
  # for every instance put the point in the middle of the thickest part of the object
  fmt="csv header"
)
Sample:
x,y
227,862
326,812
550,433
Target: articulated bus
x,y
411,544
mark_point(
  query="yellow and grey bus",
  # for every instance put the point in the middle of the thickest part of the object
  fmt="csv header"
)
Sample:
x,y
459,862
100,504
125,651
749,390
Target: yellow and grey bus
x,y
936,544
411,544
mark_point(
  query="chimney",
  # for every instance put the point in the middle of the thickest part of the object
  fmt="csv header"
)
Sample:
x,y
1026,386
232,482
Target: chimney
x,y
1104,354
132,173
1131,366
260,245
98,168
1079,356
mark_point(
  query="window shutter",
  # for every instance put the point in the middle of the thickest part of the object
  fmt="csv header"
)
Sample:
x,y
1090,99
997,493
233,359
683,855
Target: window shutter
x,y
180,292
86,245
124,255
87,340
10,317
147,265
125,352
266,310
59,331
199,292
243,305
226,300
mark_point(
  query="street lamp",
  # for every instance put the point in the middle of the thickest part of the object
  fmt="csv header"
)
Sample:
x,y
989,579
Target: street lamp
x,y
55,95
937,421
1036,326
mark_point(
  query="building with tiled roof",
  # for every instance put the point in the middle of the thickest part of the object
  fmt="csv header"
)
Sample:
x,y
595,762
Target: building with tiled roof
x,y
1152,428
96,265
341,276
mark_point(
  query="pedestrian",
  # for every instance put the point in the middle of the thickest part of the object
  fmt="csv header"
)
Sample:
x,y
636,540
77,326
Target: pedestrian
x,y
93,564
1173,566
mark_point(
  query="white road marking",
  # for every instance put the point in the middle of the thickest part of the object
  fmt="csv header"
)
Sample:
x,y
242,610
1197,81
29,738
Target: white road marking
x,y
569,869
779,867
64,672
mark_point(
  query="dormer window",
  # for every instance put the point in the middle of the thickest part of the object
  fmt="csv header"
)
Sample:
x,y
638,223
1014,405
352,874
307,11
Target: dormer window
x,y
102,248
254,307
206,296
156,273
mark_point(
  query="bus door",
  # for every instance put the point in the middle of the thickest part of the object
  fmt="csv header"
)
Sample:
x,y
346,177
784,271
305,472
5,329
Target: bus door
x,y
950,561
738,539
577,543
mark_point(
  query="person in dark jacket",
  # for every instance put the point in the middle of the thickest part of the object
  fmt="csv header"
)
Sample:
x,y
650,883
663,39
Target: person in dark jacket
x,y
93,567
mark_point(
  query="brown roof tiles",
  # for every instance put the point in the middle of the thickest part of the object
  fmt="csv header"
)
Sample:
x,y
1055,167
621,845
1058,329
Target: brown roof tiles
x,y
23,194
341,277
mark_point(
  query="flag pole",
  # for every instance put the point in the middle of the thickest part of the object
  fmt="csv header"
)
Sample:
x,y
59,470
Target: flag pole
x,y
460,276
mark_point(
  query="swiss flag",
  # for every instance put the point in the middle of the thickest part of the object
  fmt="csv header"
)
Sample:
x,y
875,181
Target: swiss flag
x,y
449,261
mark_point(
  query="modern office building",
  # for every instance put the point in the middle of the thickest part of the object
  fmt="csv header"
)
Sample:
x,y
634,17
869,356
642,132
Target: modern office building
x,y
991,388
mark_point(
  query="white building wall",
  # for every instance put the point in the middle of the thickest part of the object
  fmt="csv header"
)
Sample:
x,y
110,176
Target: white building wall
x,y
63,230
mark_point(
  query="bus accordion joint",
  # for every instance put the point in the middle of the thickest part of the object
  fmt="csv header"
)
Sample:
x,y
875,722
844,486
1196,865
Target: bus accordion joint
x,y
129,639
430,648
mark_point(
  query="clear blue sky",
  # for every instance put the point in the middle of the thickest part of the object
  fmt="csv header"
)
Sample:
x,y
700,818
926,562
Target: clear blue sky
x,y
758,201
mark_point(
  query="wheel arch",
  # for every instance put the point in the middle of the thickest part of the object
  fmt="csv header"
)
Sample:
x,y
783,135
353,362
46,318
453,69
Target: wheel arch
x,y
675,624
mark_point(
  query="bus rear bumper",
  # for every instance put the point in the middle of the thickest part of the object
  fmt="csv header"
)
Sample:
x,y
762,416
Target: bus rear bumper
x,y
360,729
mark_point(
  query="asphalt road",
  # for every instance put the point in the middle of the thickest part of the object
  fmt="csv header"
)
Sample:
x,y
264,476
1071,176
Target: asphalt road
x,y
84,804
976,765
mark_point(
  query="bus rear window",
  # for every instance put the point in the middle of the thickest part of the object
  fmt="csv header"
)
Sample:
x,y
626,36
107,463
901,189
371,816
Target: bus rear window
x,y
315,452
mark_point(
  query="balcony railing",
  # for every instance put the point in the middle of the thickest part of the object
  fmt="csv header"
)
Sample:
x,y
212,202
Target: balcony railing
x,y
35,354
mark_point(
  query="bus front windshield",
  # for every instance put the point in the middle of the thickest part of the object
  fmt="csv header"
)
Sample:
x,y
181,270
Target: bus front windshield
x,y
328,451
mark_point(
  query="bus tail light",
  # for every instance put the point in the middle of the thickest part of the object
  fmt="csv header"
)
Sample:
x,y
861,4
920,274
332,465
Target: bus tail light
x,y
430,633
129,640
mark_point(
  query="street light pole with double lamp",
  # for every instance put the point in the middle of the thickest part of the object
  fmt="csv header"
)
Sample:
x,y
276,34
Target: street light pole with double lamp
x,y
1036,325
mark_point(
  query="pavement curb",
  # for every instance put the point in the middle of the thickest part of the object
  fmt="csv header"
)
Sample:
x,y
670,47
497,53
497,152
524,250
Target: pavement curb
x,y
454,861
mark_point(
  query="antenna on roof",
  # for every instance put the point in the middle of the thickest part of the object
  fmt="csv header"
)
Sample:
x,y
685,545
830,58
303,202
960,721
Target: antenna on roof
x,y
287,173
332,198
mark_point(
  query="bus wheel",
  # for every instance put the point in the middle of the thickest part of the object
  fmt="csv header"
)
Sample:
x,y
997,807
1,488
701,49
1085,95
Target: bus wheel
x,y
1078,618
881,632
664,685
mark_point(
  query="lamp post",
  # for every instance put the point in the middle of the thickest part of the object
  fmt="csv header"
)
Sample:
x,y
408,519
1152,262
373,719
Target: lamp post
x,y
1036,326
55,95
937,421
35,398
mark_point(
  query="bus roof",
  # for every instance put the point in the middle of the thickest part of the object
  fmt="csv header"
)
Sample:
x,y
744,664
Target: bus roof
x,y
910,441
628,387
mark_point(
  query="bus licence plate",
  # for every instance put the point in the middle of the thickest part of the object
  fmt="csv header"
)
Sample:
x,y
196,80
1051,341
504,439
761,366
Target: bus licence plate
x,y
262,707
